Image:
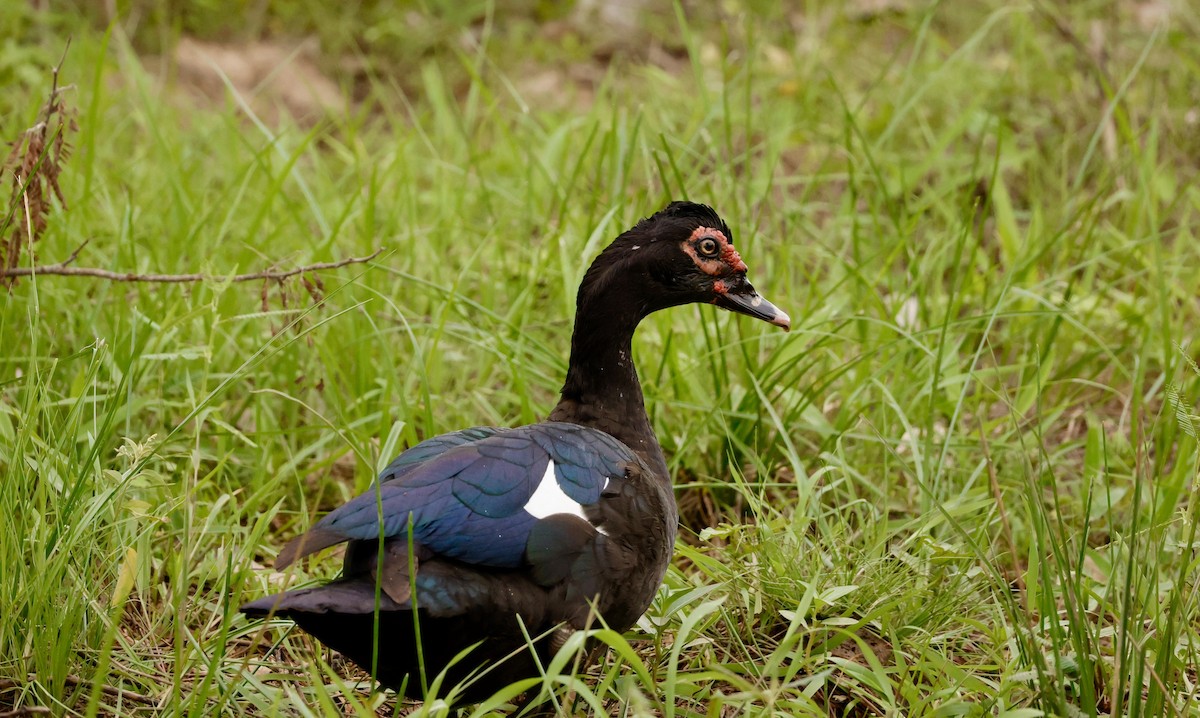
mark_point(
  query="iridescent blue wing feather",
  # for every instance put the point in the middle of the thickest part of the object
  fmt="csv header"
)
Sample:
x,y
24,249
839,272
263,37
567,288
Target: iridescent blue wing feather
x,y
468,494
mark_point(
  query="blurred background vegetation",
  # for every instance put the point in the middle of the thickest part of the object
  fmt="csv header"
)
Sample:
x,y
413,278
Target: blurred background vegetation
x,y
965,484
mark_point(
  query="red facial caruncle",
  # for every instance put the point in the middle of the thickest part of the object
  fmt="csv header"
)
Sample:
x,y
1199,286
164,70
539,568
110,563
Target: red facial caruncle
x,y
731,256
725,260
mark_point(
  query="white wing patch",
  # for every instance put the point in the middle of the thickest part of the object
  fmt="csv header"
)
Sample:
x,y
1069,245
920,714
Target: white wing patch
x,y
549,499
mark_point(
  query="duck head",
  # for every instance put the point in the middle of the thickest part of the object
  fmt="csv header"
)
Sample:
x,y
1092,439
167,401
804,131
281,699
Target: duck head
x,y
682,254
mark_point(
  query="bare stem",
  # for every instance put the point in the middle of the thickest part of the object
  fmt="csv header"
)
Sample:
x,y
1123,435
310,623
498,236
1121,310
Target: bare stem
x,y
64,269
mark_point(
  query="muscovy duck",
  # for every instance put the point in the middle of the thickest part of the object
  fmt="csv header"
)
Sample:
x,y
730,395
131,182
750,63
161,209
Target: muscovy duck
x,y
492,534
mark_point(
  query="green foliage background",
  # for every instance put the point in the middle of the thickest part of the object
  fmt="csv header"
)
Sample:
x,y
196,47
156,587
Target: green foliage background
x,y
963,485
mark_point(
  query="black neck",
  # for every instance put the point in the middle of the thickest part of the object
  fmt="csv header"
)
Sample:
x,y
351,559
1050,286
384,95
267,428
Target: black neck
x,y
602,388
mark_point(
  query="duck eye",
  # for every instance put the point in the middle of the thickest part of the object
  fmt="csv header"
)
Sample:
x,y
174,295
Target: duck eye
x,y
707,247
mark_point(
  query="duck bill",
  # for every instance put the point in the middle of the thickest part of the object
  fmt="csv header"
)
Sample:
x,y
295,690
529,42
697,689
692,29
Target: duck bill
x,y
744,300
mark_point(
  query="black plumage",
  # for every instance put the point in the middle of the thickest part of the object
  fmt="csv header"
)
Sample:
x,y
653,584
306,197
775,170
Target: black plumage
x,y
493,534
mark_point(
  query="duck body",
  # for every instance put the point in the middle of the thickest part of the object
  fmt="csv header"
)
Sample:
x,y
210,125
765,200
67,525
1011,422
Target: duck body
x,y
499,542
505,523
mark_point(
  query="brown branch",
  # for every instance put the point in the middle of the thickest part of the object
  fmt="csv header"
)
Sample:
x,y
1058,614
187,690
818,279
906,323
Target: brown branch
x,y
71,680
110,691
63,269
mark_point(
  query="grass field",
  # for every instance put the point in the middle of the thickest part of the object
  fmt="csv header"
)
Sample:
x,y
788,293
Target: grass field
x,y
964,484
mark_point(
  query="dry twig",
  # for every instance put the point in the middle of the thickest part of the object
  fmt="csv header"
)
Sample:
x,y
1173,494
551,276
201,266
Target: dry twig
x,y
64,269
71,680
110,691
36,161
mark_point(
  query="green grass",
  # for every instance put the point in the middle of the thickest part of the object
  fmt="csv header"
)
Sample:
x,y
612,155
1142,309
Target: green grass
x,y
965,484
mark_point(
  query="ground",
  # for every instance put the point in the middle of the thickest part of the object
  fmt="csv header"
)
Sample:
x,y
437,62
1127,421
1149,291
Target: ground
x,y
964,484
